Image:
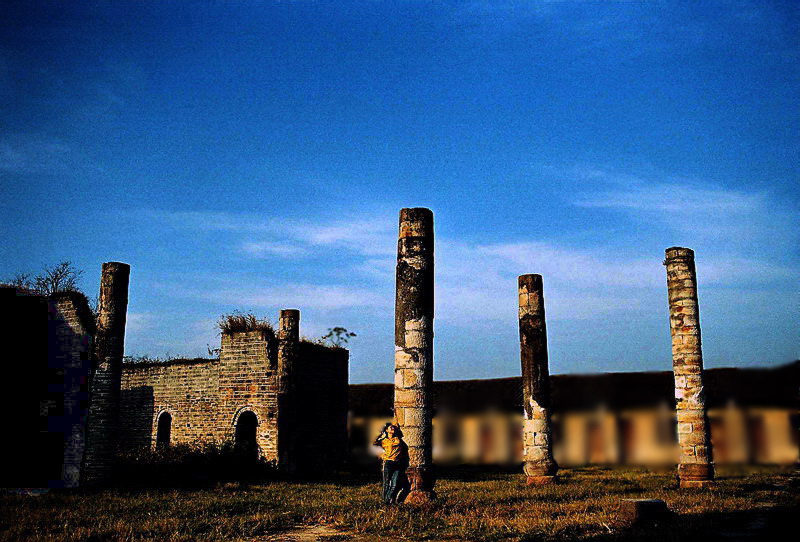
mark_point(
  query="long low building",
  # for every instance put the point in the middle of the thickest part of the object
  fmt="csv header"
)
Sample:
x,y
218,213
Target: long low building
x,y
612,418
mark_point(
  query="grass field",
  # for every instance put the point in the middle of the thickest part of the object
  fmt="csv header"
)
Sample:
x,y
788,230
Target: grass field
x,y
472,505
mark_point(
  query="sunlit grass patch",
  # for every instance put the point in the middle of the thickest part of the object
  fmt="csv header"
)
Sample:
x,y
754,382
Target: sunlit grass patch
x,y
499,507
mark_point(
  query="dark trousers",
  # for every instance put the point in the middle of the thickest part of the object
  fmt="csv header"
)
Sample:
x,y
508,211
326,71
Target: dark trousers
x,y
394,475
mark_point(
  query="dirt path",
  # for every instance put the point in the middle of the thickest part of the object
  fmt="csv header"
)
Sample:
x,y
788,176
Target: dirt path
x,y
315,533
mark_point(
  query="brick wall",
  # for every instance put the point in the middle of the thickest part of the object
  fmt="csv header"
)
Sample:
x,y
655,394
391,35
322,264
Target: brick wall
x,y
71,326
205,398
46,393
187,389
248,380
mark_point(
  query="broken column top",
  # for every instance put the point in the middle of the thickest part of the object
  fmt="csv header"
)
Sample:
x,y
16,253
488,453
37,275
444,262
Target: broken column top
x,y
289,324
531,280
675,253
116,267
416,222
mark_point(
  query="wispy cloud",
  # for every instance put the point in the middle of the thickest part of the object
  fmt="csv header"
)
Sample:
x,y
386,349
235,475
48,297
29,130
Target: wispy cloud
x,y
268,236
371,237
478,282
27,154
676,198
698,211
138,322
264,249
320,297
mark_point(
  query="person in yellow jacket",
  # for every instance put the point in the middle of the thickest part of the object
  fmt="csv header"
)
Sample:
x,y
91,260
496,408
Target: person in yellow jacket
x,y
395,462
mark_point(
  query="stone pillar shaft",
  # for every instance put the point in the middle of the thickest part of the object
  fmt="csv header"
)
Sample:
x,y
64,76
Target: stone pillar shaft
x,y
413,339
102,428
539,466
288,351
695,468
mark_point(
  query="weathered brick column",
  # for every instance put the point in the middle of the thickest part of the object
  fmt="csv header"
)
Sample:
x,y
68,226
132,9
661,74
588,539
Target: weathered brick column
x,y
695,468
539,466
413,339
288,349
104,393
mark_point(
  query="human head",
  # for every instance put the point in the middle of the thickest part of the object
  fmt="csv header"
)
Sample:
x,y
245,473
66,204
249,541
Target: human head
x,y
393,430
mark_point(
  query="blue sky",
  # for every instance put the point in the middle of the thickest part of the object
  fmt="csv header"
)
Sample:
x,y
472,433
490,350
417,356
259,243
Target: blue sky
x,y
255,156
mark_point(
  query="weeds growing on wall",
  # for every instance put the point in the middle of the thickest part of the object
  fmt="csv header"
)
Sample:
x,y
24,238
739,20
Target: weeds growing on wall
x,y
192,465
238,322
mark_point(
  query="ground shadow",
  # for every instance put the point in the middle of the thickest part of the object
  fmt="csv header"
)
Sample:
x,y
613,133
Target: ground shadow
x,y
774,524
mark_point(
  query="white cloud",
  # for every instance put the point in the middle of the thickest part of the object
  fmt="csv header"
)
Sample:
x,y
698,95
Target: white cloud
x,y
137,322
24,154
676,198
477,282
268,248
309,296
267,236
701,214
371,237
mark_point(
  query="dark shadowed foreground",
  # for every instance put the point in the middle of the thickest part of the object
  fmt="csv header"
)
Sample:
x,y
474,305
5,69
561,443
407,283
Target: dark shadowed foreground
x,y
472,505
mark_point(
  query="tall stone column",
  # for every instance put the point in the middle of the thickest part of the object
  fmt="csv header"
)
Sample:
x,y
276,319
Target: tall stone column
x,y
413,339
288,348
102,428
539,466
694,468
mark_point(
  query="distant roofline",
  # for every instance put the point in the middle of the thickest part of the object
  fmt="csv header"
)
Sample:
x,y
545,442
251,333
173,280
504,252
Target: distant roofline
x,y
786,365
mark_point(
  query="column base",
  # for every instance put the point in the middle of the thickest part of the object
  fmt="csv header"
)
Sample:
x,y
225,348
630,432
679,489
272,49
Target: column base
x,y
419,496
686,484
539,480
421,479
695,474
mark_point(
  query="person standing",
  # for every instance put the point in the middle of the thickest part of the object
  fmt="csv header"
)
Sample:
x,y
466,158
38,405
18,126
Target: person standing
x,y
395,462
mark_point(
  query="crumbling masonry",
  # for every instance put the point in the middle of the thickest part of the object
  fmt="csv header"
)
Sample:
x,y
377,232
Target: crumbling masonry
x,y
288,393
288,350
413,339
539,466
102,429
695,468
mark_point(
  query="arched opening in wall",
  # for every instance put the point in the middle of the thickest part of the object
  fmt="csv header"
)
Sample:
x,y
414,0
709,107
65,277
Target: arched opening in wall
x,y
164,431
245,438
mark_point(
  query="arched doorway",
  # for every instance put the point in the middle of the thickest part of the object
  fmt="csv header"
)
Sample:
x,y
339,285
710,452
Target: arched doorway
x,y
164,431
245,438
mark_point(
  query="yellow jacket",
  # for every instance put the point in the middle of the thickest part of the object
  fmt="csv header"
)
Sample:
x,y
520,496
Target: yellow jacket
x,y
392,449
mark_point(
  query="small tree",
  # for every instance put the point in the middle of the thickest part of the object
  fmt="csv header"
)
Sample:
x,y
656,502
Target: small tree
x,y
23,281
62,277
338,336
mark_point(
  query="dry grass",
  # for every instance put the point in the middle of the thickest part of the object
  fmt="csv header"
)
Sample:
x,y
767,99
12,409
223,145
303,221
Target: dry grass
x,y
238,322
484,507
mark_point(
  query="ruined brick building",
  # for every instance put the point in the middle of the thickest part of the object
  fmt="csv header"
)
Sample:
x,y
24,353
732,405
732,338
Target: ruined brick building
x,y
242,397
46,392
73,403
